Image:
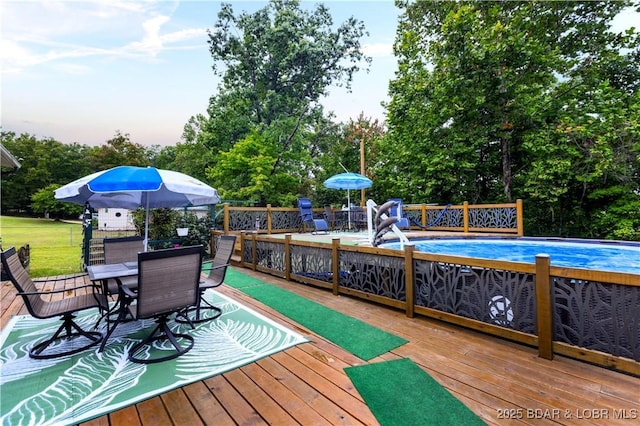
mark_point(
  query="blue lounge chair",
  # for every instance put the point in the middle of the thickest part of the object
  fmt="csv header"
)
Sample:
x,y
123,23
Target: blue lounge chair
x,y
306,214
396,211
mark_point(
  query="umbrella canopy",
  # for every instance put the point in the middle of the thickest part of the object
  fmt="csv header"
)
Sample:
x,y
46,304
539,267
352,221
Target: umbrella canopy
x,y
130,187
348,181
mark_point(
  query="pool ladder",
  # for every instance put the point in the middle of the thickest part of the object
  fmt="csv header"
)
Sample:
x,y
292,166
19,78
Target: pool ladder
x,y
379,223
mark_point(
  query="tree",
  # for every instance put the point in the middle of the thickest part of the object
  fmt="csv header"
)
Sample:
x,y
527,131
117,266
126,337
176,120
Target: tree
x,y
275,65
120,151
43,201
44,162
486,90
244,173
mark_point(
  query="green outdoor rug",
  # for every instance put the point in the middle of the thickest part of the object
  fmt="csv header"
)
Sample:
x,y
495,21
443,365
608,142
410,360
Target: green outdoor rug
x,y
357,337
400,393
77,388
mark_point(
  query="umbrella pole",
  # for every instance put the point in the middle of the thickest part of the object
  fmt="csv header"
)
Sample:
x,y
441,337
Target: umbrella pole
x,y
349,208
146,227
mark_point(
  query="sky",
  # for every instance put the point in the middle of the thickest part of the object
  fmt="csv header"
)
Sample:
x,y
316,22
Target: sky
x,y
81,71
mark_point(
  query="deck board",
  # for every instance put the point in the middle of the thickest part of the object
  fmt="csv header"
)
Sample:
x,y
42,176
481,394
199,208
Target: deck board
x,y
306,384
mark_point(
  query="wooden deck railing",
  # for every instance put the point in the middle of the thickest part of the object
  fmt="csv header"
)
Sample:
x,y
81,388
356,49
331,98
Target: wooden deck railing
x,y
495,218
584,314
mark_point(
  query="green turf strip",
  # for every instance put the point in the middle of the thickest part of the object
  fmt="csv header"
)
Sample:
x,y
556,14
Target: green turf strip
x,y
357,337
400,393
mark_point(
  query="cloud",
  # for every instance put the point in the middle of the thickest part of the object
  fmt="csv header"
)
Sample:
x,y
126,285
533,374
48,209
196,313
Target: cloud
x,y
378,49
50,32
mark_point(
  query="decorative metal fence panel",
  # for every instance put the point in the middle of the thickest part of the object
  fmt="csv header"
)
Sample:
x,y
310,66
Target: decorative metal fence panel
x,y
373,274
313,262
497,217
248,219
452,218
286,220
598,316
270,255
502,298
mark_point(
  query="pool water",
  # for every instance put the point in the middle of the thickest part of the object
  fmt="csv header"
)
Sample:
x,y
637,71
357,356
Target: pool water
x,y
616,257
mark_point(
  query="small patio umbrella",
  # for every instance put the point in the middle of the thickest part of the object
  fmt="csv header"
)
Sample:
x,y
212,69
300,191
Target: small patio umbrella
x,y
348,181
131,187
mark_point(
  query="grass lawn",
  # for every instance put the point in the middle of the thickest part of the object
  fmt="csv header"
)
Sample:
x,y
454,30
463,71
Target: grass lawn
x,y
55,246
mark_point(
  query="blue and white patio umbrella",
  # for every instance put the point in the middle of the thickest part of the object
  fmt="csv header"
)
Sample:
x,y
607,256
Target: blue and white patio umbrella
x,y
348,181
130,187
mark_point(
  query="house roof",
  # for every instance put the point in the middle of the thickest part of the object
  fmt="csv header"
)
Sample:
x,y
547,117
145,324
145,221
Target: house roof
x,y
8,160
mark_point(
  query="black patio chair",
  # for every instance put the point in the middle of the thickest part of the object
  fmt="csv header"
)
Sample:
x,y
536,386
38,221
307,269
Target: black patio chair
x,y
168,283
213,273
122,250
66,308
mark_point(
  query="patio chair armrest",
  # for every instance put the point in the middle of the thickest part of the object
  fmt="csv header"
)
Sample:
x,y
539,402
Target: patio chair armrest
x,y
45,280
207,262
127,291
220,266
62,290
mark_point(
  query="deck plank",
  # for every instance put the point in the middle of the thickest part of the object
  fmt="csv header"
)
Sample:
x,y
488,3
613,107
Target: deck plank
x,y
210,409
259,398
234,402
330,411
180,409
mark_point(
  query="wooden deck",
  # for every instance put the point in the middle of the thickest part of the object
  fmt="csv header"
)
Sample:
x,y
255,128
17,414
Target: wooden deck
x,y
502,382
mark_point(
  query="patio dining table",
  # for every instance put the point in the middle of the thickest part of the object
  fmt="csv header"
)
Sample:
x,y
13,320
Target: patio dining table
x,y
112,270
103,273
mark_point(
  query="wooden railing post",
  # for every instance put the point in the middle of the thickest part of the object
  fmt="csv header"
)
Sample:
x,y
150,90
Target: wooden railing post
x,y
335,263
242,243
544,306
408,280
287,257
520,218
268,218
226,218
254,250
465,216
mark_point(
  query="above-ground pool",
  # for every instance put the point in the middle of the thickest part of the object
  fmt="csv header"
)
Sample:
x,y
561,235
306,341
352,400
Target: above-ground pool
x,y
598,255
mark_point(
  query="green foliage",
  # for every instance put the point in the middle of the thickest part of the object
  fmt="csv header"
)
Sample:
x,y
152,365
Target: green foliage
x,y
44,162
501,100
275,65
282,58
199,230
164,222
43,201
48,162
120,151
245,172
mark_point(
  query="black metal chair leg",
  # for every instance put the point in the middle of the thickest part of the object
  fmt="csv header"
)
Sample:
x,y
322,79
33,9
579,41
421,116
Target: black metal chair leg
x,y
162,332
184,318
65,331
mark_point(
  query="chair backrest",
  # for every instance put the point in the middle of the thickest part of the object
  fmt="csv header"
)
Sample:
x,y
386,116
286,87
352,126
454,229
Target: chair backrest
x,y
396,209
123,249
306,209
22,282
168,280
223,255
